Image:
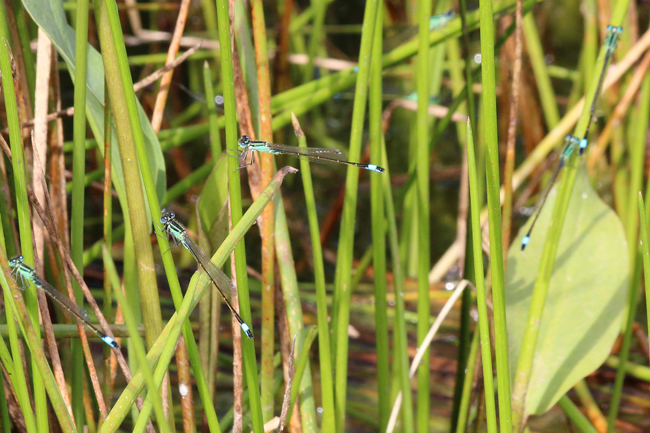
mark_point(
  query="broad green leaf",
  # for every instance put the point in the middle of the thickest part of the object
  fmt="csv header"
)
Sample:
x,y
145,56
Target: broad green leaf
x,y
50,16
586,298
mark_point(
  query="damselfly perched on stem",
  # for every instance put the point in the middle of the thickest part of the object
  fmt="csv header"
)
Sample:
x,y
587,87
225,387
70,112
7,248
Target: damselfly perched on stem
x,y
22,271
571,143
312,154
223,284
611,39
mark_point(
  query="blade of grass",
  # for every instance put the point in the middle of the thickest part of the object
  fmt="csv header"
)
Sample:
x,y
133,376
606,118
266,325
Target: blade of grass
x,y
137,344
537,61
481,293
494,212
468,379
325,361
575,415
378,224
248,347
292,301
78,197
400,337
267,229
423,225
341,316
21,204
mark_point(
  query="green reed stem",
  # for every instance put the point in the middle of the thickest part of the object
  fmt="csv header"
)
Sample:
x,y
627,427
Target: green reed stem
x,y
575,415
328,423
316,37
468,379
78,198
645,251
137,345
494,212
481,292
22,207
120,90
540,69
378,224
341,316
268,226
400,336
248,347
293,306
422,228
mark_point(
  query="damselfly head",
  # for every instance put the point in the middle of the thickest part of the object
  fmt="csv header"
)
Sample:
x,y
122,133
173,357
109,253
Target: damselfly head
x,y
244,141
167,218
16,261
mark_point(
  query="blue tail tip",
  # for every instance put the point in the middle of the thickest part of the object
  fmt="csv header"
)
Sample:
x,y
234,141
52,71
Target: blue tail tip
x,y
524,242
247,330
583,145
108,340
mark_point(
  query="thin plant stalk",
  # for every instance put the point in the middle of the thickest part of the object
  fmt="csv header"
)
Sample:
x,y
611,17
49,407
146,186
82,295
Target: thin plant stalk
x,y
378,224
421,156
341,318
21,204
292,301
267,229
328,423
537,60
575,415
78,198
119,84
316,37
617,390
481,293
234,185
107,225
494,214
137,345
400,337
468,379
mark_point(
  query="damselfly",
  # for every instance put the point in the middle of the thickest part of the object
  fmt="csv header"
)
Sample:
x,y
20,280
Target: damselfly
x,y
223,284
313,154
22,271
569,147
611,39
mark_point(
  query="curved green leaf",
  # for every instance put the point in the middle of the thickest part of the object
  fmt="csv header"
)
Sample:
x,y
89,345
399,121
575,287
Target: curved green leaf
x,y
586,297
50,17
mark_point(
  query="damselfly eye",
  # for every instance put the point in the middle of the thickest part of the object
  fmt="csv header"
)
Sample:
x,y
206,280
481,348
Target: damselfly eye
x,y
243,141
